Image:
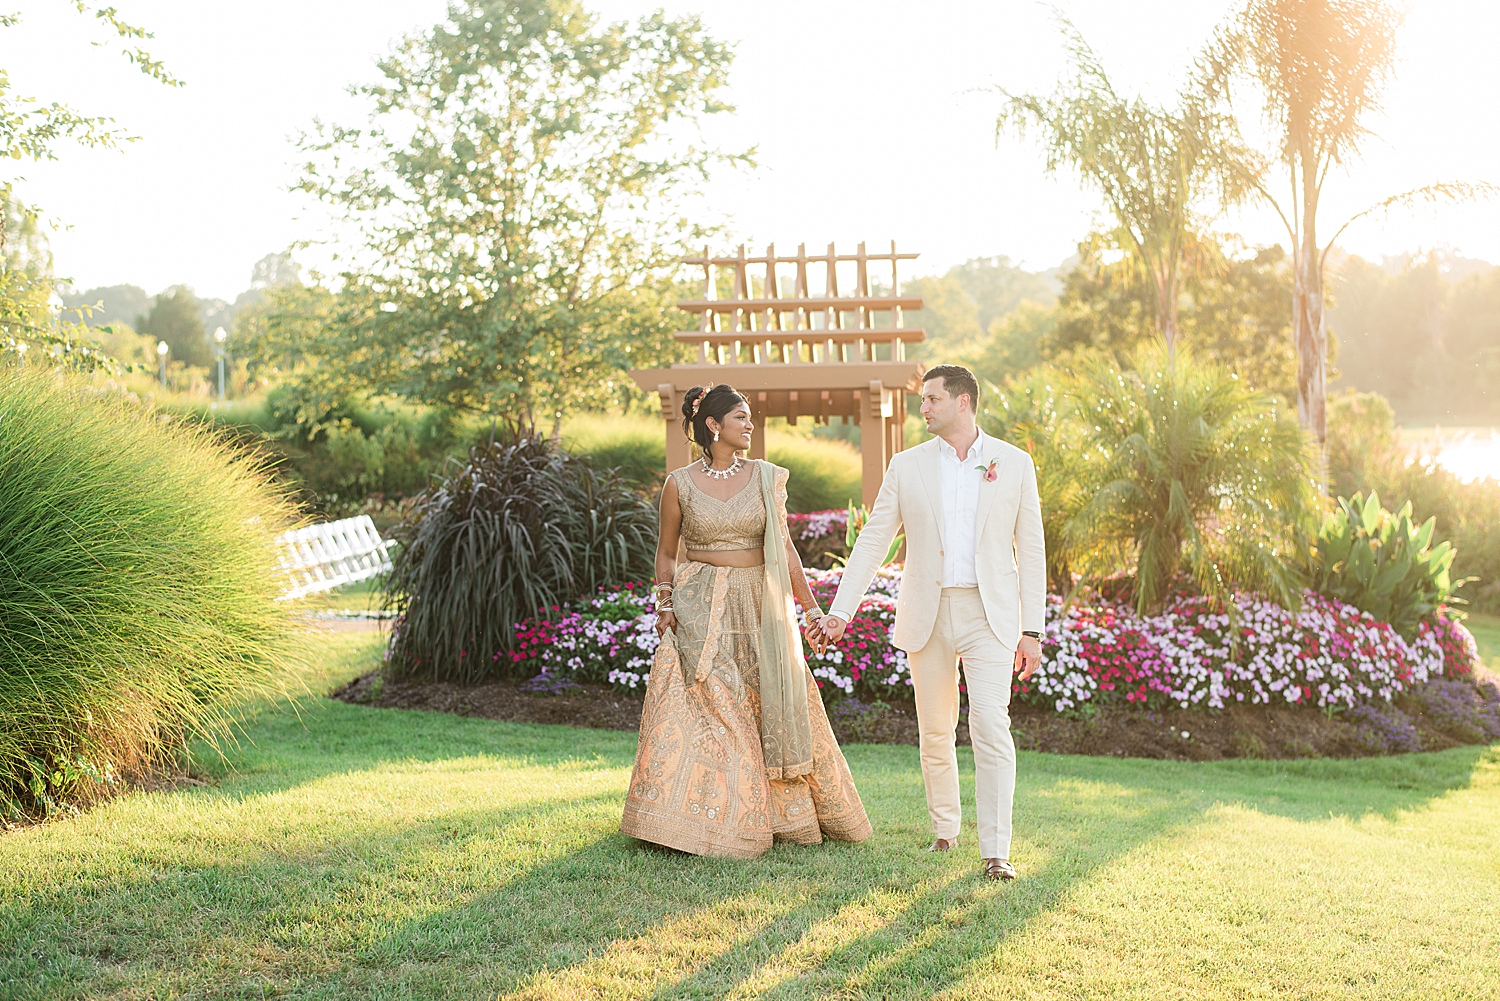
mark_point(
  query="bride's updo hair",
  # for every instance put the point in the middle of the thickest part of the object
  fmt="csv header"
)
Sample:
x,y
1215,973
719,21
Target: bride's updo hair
x,y
715,403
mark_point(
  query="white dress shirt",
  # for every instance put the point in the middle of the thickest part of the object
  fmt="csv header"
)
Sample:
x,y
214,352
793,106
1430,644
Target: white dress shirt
x,y
960,489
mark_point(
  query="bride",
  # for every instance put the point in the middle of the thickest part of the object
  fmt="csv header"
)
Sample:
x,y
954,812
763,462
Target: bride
x,y
735,747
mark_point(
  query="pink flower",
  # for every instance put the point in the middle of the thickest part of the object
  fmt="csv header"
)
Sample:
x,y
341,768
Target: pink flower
x,y
990,473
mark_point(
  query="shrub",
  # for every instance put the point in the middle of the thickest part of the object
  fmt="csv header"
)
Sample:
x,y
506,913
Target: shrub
x,y
1365,454
138,580
1325,655
352,456
610,636
636,446
337,458
1381,562
522,526
864,658
825,473
1195,472
1460,651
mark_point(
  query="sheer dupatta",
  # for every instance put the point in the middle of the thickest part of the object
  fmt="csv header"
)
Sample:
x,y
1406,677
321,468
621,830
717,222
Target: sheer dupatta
x,y
786,730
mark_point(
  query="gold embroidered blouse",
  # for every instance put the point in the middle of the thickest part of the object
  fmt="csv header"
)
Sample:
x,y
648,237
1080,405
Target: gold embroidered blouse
x,y
710,524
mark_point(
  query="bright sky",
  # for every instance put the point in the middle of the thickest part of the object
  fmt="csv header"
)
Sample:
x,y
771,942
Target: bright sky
x,y
870,116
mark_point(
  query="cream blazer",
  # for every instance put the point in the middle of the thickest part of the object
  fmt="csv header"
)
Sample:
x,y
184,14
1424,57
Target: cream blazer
x,y
1011,558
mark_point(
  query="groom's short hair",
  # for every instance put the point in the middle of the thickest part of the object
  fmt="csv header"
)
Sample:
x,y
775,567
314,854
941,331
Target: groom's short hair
x,y
957,380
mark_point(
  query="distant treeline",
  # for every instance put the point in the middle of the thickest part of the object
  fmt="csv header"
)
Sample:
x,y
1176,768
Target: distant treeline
x,y
1422,330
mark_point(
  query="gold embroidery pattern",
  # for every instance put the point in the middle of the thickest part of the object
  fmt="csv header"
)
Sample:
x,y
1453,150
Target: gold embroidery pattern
x,y
700,745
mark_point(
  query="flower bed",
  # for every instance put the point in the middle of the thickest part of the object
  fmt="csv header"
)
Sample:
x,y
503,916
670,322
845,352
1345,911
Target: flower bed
x,y
609,636
863,659
817,524
819,536
1326,654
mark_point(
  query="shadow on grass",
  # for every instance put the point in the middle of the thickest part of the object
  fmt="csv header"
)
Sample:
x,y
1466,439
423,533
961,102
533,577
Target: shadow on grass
x,y
580,909
619,919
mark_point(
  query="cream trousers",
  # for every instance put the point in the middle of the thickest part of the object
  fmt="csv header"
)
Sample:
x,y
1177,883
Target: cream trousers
x,y
963,631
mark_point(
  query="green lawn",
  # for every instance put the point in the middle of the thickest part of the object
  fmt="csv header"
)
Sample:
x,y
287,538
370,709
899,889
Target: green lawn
x,y
361,597
1486,630
369,853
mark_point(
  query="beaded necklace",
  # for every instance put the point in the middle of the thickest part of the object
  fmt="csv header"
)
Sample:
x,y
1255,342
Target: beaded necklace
x,y
721,474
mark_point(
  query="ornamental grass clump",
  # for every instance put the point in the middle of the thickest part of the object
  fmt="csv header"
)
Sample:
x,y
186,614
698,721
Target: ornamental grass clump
x,y
522,528
138,591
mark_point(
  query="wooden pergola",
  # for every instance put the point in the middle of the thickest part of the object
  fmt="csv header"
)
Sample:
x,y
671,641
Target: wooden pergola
x,y
799,353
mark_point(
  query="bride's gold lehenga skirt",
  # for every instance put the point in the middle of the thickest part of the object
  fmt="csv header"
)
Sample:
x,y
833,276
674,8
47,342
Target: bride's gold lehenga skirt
x,y
700,782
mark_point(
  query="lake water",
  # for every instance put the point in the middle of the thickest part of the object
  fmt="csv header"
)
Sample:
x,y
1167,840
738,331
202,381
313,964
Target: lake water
x,y
1469,453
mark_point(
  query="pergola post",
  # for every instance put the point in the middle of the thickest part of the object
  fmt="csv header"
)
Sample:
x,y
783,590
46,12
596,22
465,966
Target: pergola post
x,y
758,433
874,441
679,454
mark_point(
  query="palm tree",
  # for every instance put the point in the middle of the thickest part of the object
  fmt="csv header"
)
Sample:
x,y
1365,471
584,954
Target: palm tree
x,y
1320,66
1193,472
1154,167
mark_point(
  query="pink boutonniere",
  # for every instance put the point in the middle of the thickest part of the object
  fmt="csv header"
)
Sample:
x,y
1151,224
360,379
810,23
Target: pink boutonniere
x,y
990,473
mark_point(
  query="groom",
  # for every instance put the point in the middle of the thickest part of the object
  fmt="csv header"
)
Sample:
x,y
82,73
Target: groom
x,y
974,588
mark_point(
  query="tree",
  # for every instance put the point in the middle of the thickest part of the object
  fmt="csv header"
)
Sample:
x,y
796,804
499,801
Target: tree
x,y
275,269
1320,67
517,199
1235,310
1154,167
108,303
1192,472
29,327
176,317
1014,344
286,335
1424,331
31,130
949,317
961,307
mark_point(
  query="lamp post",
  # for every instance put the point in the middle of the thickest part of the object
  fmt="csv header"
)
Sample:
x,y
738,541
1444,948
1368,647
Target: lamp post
x,y
161,350
219,338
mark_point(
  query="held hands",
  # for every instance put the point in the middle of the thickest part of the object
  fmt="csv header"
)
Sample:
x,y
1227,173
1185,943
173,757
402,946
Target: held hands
x,y
815,638
1028,656
833,628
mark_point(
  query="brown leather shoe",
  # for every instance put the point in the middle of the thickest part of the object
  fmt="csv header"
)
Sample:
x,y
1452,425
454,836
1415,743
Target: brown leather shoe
x,y
942,844
998,868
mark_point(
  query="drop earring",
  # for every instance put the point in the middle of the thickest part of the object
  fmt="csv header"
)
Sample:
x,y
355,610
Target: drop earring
x,y
716,436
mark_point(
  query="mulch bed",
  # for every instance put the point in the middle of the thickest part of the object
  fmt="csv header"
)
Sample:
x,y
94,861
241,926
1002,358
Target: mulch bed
x,y
1177,734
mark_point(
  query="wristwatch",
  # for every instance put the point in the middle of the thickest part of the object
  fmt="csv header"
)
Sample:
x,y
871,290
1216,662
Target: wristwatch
x,y
1032,633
